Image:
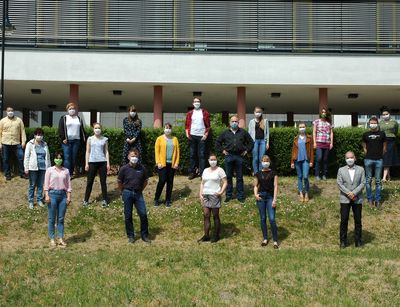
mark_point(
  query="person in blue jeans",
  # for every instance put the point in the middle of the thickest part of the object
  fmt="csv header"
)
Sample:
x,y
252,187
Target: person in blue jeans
x,y
132,180
374,145
266,192
259,132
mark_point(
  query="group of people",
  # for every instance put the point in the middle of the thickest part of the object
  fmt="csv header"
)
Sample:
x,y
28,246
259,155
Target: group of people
x,y
234,143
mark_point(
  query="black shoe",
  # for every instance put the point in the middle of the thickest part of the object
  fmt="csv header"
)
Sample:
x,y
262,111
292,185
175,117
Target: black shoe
x,y
146,239
168,204
8,178
227,199
191,176
264,242
241,200
343,245
131,240
204,239
156,203
215,239
378,205
24,176
359,244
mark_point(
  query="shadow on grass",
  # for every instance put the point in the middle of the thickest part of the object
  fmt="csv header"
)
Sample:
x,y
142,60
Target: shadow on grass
x,y
315,191
181,193
283,233
113,195
229,230
81,237
366,237
154,231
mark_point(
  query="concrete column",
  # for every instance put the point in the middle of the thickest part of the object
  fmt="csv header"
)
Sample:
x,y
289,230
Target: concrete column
x,y
25,117
157,107
225,117
354,119
241,106
289,119
74,93
93,117
323,99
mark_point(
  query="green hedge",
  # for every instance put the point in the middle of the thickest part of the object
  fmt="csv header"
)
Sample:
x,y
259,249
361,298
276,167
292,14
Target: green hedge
x,y
280,146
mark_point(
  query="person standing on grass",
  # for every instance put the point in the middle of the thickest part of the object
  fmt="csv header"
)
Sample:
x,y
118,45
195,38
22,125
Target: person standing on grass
x,y
302,160
72,134
132,180
266,193
323,143
132,126
167,155
197,127
374,145
57,188
12,140
234,143
212,187
36,161
351,181
97,160
259,132
391,128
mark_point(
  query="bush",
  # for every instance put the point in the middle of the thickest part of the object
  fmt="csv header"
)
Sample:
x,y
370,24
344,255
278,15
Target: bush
x,y
281,139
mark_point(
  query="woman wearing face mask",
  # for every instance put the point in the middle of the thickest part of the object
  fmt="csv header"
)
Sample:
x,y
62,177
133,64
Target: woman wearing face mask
x,y
323,143
212,187
266,192
132,125
390,127
36,161
57,188
302,159
167,160
259,131
72,135
97,161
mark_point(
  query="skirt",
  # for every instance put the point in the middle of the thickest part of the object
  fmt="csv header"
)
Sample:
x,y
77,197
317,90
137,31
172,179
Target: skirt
x,y
211,201
390,157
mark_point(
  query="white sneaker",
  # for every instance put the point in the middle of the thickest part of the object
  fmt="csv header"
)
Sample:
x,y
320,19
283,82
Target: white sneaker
x,y
30,205
52,243
40,204
61,243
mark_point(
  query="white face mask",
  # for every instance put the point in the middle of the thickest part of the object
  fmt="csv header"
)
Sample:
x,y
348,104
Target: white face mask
x,y
132,114
265,164
71,112
10,114
167,131
373,126
134,160
39,138
258,114
196,105
302,130
350,162
386,117
97,131
213,163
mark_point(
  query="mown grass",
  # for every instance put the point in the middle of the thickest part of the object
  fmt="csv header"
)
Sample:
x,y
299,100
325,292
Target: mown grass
x,y
100,268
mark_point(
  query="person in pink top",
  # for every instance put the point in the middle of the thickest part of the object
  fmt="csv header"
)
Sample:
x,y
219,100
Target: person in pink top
x,y
57,188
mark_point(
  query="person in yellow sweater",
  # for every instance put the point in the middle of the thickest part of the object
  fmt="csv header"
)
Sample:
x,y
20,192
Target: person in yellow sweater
x,y
12,139
167,161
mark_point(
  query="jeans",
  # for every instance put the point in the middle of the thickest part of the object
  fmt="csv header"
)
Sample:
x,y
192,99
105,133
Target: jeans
x,y
36,179
19,153
94,168
344,220
258,152
322,155
197,152
70,151
231,162
56,212
265,205
373,168
130,198
165,175
302,169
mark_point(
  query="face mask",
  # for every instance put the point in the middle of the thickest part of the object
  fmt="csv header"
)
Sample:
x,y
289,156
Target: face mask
x,y
234,126
302,130
39,138
258,114
134,160
132,114
373,126
323,115
196,105
350,162
10,114
213,163
97,131
58,162
71,112
265,164
386,117
167,131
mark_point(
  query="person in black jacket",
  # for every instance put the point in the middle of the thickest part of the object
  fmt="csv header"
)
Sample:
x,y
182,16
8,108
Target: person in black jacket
x,y
234,143
72,135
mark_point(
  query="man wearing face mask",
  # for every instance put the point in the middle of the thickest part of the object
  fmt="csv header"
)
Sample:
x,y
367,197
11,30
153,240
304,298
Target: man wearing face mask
x,y
234,143
374,145
351,181
197,126
132,180
12,139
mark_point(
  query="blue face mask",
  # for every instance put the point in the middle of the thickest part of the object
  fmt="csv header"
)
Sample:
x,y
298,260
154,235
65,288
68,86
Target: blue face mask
x,y
234,126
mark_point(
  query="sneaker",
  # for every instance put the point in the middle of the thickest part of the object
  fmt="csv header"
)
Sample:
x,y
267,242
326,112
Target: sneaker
x,y
61,243
168,204
264,243
85,204
104,204
241,200
156,203
191,176
318,178
24,176
52,243
276,245
131,240
8,178
146,239
227,199
40,204
324,177
30,205
203,239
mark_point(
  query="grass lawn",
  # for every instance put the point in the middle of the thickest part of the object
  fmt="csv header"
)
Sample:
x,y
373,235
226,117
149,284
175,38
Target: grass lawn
x,y
99,267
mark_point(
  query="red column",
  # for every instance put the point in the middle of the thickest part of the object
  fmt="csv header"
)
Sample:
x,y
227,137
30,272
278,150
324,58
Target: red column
x,y
290,119
157,107
241,106
74,93
323,99
354,119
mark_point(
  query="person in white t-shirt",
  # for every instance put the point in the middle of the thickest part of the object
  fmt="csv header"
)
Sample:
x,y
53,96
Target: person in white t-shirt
x,y
212,187
197,127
